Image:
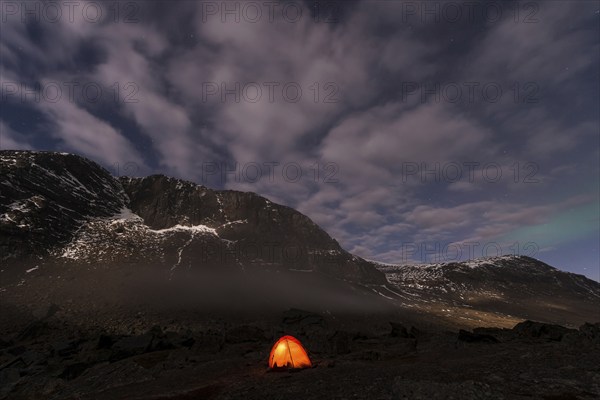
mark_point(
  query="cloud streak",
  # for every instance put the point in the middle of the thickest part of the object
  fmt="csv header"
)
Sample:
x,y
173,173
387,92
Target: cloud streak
x,y
203,91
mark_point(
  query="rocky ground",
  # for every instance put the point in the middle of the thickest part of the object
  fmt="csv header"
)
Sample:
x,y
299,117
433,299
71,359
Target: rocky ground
x,y
45,356
157,288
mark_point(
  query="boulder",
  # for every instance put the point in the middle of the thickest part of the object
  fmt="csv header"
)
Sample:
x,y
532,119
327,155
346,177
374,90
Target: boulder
x,y
211,340
540,330
131,345
400,331
590,332
415,332
366,355
65,348
106,341
502,334
470,337
339,342
72,371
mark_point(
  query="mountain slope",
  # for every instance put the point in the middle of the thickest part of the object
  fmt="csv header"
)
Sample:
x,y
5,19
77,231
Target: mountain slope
x,y
45,197
65,208
513,286
69,230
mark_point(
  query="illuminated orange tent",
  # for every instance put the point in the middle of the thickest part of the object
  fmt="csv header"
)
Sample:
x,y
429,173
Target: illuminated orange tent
x,y
288,353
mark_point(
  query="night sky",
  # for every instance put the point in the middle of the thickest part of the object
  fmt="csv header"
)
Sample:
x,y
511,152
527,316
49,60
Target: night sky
x,y
411,132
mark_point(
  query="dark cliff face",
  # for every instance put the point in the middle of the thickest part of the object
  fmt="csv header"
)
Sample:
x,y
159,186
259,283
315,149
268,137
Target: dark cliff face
x,y
164,202
255,230
66,208
45,197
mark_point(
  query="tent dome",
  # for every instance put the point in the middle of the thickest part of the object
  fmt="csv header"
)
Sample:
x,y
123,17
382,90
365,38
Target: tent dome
x,y
288,353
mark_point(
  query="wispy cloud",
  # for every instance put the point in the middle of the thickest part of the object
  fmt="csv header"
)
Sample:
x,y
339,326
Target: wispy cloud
x,y
10,140
195,90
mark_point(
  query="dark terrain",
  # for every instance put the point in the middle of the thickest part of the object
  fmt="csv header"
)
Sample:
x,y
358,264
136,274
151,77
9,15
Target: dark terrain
x,y
158,288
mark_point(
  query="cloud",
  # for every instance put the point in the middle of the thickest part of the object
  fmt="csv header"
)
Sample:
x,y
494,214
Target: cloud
x,y
442,218
388,135
548,45
198,78
83,133
538,62
9,139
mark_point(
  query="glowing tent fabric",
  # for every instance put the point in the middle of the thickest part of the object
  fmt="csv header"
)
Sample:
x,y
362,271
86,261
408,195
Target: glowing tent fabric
x,y
288,353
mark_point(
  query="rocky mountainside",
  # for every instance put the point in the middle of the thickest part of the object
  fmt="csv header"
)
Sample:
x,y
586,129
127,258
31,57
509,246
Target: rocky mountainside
x,y
65,219
45,197
521,274
58,207
159,288
513,286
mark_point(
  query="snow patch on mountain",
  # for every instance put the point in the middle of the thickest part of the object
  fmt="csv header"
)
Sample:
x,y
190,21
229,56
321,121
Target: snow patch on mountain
x,y
125,229
125,214
490,261
190,228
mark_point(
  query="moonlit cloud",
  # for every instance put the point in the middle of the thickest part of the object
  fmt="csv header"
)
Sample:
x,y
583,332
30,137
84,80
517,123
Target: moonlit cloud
x,y
374,146
9,139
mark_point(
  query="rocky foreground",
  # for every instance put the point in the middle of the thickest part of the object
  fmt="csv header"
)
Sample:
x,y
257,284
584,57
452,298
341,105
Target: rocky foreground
x,y
48,358
158,288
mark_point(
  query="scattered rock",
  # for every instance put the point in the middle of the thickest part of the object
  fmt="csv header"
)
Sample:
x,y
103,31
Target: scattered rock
x,y
492,331
470,337
415,332
130,346
72,371
65,348
46,311
5,343
9,375
16,350
532,329
399,330
367,355
150,360
156,331
211,340
31,357
166,342
590,332
51,387
244,333
502,334
427,390
106,341
33,330
340,342
496,379
574,339
106,376
188,342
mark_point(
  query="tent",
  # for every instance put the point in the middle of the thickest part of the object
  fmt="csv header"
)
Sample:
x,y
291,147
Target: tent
x,y
288,353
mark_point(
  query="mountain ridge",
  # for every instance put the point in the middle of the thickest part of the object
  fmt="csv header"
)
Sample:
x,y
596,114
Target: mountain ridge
x,y
512,285
63,215
293,240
